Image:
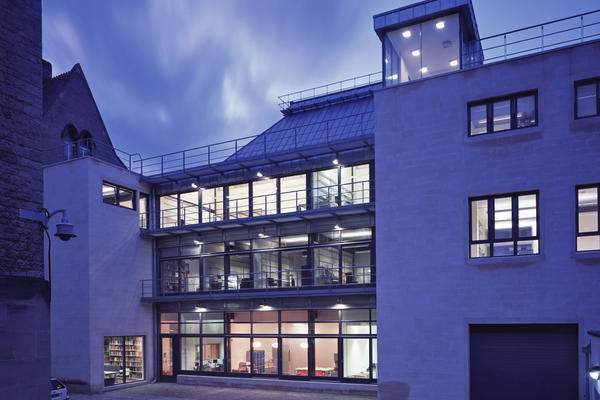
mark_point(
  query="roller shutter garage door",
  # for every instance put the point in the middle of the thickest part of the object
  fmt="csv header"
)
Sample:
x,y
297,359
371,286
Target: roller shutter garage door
x,y
528,362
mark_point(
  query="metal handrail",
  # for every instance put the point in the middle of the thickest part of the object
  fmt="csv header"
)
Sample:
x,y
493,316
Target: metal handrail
x,y
286,100
233,150
547,35
277,279
351,193
89,147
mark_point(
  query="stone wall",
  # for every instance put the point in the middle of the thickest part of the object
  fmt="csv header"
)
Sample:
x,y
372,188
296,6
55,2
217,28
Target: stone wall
x,y
21,241
24,294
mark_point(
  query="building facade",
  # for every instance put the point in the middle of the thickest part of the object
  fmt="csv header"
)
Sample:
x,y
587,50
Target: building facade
x,y
430,229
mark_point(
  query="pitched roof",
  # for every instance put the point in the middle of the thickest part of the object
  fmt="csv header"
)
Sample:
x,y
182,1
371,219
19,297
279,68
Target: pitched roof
x,y
54,86
328,119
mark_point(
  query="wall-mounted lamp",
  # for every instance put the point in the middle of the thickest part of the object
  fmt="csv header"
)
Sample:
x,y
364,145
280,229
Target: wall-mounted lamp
x,y
594,372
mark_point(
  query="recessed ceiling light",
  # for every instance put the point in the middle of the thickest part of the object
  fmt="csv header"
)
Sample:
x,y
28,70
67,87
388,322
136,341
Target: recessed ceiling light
x,y
406,34
416,53
453,63
440,25
424,70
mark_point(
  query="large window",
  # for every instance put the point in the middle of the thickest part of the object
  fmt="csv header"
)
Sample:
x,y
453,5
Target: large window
x,y
212,205
118,195
504,225
321,344
588,232
422,50
325,188
504,113
238,205
587,98
123,359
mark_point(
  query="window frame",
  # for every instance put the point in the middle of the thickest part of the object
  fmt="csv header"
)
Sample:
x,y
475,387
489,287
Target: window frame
x,y
124,359
584,82
144,217
515,236
489,103
590,233
118,188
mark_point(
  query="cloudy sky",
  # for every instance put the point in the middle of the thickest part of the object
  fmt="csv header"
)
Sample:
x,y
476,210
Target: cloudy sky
x,y
173,74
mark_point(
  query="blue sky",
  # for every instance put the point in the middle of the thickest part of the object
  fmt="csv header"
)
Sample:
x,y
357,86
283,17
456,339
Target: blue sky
x,y
173,74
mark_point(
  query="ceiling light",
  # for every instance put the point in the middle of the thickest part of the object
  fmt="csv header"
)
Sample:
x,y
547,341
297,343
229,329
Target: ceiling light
x,y
262,235
259,174
194,185
386,61
453,63
406,34
594,373
340,307
440,25
392,77
424,70
337,228
304,345
335,162
256,344
197,242
416,53
275,345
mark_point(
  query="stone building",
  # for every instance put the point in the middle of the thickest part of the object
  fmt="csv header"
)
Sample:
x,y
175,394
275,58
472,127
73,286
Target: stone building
x,y
24,293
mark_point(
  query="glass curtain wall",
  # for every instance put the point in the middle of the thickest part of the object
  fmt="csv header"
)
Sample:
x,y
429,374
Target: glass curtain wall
x,y
355,185
188,208
238,205
123,359
168,211
292,193
422,50
212,205
325,188
318,344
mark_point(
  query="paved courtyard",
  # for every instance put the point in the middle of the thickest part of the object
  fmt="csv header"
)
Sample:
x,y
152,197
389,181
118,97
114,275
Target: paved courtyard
x,y
169,391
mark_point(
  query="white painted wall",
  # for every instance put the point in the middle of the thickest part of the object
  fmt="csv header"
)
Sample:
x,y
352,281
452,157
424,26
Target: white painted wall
x,y
95,275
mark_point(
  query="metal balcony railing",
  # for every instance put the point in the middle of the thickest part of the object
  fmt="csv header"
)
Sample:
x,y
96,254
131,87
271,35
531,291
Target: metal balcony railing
x,y
331,88
534,39
277,280
264,145
291,201
71,150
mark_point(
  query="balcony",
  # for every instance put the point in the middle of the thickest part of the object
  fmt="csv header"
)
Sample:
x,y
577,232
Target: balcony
x,y
296,205
283,283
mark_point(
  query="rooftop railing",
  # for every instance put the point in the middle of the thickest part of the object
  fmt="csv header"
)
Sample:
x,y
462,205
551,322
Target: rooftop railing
x,y
71,150
352,83
264,145
268,204
283,280
534,39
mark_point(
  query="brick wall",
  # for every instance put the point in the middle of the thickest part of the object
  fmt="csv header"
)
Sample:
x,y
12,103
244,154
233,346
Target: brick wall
x,y
21,242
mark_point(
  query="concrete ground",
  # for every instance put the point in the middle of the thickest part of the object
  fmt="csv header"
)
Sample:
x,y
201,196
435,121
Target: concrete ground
x,y
172,391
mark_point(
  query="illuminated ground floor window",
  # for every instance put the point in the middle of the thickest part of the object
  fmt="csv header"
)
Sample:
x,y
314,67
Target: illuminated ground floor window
x,y
301,344
123,359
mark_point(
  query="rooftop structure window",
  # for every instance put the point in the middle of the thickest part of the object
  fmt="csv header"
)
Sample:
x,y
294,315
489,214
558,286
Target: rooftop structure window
x,y
421,50
118,195
503,113
588,223
587,98
504,225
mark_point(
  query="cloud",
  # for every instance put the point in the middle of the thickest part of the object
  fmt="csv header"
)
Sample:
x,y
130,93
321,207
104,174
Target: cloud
x,y
62,45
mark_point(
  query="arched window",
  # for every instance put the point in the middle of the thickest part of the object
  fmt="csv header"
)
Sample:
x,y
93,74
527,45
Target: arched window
x,y
86,144
69,137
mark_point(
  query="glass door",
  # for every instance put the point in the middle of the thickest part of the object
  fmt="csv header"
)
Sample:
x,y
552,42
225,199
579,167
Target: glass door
x,y
168,346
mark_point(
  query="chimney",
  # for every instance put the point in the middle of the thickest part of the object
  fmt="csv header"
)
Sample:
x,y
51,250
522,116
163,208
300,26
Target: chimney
x,y
46,70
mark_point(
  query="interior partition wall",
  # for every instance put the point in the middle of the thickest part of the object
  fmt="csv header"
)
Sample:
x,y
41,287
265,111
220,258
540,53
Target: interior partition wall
x,y
328,344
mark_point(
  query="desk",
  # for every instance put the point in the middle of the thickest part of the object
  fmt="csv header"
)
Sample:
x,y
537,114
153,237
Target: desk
x,y
319,371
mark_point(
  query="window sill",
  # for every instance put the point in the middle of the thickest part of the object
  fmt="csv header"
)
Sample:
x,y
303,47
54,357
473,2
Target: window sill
x,y
534,132
587,255
508,260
